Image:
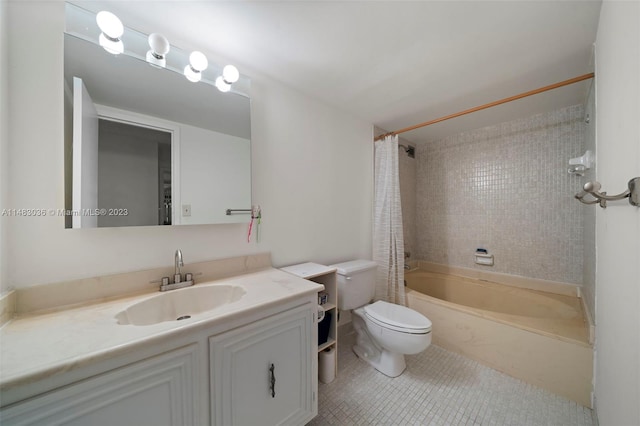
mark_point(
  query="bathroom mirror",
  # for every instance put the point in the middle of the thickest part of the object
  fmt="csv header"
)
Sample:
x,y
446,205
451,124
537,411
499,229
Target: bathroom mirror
x,y
144,146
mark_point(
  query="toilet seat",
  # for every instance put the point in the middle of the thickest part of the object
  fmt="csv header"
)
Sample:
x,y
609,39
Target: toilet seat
x,y
397,318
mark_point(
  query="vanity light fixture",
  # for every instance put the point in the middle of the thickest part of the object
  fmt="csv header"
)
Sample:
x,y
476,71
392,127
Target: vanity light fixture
x,y
230,75
222,85
160,46
197,63
112,29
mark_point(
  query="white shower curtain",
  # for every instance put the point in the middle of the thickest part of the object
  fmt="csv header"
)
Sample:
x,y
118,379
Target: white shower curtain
x,y
388,240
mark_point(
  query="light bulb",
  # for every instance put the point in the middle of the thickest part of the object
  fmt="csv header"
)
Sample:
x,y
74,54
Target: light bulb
x,y
222,85
191,74
159,44
198,61
159,48
114,47
230,74
110,25
112,29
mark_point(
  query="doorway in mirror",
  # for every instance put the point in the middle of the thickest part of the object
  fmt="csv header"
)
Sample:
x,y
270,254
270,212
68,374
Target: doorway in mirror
x,y
134,175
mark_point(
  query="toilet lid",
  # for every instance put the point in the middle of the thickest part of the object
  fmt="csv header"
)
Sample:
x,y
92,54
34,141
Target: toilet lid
x,y
398,317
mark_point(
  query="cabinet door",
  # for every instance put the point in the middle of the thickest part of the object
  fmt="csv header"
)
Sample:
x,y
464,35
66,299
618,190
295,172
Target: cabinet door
x,y
157,391
265,373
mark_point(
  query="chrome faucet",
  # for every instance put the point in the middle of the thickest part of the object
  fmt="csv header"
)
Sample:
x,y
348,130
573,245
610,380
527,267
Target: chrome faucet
x,y
178,264
177,276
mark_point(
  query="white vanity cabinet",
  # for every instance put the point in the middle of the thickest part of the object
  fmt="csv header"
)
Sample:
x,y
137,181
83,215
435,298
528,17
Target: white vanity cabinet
x,y
265,373
160,390
218,374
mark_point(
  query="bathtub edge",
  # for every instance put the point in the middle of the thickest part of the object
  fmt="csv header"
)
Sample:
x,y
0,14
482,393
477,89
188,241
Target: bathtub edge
x,y
557,287
487,315
590,324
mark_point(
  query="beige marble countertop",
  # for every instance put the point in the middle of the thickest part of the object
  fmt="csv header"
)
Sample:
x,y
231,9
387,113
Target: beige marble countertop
x,y
35,346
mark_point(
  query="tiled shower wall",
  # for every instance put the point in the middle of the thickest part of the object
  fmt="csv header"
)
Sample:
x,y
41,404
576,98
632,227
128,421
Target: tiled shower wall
x,y
505,188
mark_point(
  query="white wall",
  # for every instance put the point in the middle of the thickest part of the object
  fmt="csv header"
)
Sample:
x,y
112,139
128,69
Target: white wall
x,y
618,226
312,175
4,138
589,214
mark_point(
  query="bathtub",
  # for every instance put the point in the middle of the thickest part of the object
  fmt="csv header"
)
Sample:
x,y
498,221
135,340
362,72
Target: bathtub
x,y
540,337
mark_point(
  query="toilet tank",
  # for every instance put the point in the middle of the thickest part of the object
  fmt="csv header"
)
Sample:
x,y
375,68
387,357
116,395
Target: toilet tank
x,y
356,283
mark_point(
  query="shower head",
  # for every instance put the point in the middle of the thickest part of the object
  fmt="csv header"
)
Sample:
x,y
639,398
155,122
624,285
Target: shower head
x,y
410,150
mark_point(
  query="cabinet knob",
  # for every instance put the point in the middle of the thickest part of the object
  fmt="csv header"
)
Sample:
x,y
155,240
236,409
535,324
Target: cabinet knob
x,y
273,380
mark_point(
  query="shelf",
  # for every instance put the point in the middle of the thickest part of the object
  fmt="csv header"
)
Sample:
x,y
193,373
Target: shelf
x,y
309,270
328,306
326,276
325,345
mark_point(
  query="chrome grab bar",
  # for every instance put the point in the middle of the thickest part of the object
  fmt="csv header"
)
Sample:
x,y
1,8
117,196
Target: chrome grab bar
x,y
241,211
601,198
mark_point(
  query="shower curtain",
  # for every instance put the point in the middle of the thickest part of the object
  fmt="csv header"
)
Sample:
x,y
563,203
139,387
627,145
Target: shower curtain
x,y
388,240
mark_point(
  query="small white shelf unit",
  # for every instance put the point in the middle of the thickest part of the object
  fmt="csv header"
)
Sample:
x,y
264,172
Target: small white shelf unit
x,y
326,276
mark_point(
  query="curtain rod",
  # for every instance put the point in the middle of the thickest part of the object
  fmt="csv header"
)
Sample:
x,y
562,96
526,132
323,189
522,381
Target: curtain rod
x,y
490,104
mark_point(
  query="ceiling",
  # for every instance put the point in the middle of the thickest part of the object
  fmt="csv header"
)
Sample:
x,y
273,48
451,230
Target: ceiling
x,y
393,63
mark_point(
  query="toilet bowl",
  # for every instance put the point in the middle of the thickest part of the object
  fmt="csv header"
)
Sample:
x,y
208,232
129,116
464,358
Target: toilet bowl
x,y
385,331
388,332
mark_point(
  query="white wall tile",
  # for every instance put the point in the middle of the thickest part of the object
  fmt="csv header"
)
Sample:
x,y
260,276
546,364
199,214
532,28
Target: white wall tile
x,y
505,188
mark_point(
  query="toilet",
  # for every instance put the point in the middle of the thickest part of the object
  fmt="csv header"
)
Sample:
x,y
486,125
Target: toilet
x,y
385,331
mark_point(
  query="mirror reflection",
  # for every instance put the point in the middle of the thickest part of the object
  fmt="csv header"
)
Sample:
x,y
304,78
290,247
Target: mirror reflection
x,y
134,174
144,146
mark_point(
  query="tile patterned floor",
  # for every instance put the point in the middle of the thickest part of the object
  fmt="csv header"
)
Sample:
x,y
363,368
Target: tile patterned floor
x,y
438,388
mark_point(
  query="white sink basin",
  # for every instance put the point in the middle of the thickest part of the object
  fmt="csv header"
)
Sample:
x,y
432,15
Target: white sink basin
x,y
180,304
